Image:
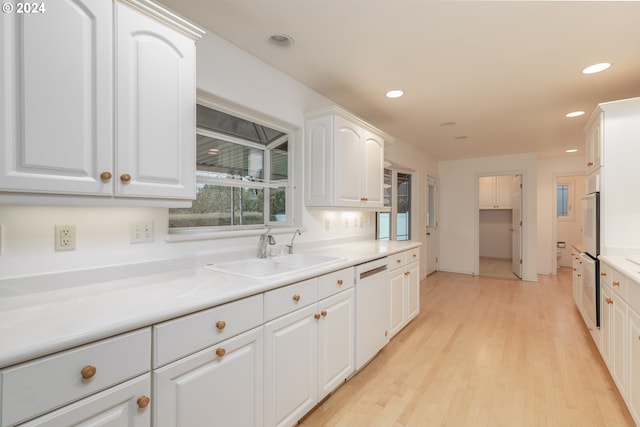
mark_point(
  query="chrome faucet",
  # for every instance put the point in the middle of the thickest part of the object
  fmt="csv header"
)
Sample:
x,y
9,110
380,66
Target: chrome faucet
x,y
295,233
265,239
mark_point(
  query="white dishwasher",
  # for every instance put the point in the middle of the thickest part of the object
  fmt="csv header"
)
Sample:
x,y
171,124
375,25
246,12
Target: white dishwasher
x,y
372,309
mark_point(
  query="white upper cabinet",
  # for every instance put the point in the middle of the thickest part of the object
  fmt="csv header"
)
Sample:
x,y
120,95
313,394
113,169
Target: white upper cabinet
x,y
85,115
344,162
57,99
594,142
495,192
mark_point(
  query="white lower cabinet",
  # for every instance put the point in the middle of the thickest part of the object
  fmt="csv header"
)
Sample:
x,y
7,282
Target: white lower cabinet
x,y
613,327
220,385
404,296
92,371
633,352
125,405
308,352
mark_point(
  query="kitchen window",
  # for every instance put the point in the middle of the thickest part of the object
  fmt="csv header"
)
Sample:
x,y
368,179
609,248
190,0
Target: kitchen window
x,y
242,172
395,223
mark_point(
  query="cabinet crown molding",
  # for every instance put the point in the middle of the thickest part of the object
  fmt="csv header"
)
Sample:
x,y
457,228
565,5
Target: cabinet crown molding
x,y
339,111
168,17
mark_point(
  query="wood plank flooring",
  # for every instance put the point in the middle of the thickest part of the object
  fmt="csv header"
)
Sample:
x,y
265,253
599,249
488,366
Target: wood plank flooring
x,y
483,352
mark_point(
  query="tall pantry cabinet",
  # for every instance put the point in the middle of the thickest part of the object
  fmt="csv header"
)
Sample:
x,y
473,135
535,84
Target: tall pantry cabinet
x,y
98,99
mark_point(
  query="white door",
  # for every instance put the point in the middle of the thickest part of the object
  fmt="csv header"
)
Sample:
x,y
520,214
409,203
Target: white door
x,y
516,226
155,108
348,163
432,225
56,92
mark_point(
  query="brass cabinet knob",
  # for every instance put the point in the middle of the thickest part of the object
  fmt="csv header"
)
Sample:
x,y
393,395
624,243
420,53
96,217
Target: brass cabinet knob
x,y
590,164
324,313
143,402
105,176
340,282
220,352
125,177
88,372
296,297
398,261
603,274
609,300
221,324
316,316
615,283
415,255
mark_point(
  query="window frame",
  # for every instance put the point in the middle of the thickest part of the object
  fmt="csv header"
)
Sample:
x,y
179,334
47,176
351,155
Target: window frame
x,y
288,137
392,210
570,184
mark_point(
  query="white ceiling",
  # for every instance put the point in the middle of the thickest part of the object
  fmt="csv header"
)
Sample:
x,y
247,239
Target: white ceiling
x,y
505,72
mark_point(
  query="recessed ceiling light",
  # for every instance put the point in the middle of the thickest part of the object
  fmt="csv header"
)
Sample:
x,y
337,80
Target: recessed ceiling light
x,y
460,138
281,40
596,68
572,150
575,114
445,124
395,93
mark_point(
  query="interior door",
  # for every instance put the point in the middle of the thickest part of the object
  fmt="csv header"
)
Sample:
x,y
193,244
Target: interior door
x,y
516,226
432,225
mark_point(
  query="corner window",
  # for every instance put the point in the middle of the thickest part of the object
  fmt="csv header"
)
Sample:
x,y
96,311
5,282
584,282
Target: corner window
x,y
242,172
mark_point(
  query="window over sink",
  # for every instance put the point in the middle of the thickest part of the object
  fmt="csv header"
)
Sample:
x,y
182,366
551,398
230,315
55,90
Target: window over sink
x,y
242,175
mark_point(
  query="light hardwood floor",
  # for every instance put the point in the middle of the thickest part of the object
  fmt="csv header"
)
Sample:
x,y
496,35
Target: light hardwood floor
x,y
497,267
483,352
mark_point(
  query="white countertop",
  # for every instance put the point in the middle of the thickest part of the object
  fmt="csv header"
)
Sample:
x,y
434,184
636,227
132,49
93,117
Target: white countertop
x,y
40,323
624,265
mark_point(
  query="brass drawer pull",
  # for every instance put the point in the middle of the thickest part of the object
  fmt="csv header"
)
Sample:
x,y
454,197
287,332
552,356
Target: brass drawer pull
x,y
340,282
125,177
324,313
296,298
220,352
615,283
221,324
105,176
316,316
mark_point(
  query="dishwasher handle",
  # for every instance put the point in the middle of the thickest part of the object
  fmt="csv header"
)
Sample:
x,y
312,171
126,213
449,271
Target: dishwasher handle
x,y
370,273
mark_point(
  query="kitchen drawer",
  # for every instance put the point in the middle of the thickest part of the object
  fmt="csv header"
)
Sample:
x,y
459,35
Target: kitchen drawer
x,y
618,282
413,255
397,260
290,298
332,283
32,388
180,337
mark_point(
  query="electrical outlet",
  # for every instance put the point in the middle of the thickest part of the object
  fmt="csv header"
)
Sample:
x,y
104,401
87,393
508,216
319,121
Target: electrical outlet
x,y
65,237
140,232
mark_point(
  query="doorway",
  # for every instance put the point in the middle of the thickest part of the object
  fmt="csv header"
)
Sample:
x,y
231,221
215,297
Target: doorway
x,y
432,225
500,226
569,220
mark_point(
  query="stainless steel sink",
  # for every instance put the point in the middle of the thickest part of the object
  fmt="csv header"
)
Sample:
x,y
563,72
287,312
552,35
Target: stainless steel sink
x,y
270,268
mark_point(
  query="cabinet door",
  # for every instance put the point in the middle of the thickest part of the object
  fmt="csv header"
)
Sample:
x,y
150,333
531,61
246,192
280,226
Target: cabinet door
x,y
221,385
155,108
633,357
319,161
56,91
397,304
504,191
594,144
618,364
606,318
412,290
291,366
372,180
487,192
348,163
336,339
122,406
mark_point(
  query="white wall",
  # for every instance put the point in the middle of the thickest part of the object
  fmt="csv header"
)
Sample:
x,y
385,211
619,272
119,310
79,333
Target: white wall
x,y
224,73
569,230
495,233
459,210
548,172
